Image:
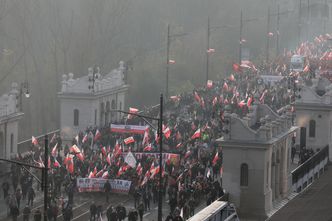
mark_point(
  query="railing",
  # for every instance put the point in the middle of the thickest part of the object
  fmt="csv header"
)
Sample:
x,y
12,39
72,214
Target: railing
x,y
310,170
25,145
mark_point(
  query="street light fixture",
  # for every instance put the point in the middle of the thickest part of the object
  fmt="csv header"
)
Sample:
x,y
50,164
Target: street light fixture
x,y
160,133
24,89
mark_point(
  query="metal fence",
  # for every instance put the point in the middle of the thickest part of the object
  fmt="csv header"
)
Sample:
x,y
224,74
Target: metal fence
x,y
310,170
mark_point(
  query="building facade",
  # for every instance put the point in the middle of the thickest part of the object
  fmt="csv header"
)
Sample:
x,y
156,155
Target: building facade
x,y
314,113
9,119
88,101
256,162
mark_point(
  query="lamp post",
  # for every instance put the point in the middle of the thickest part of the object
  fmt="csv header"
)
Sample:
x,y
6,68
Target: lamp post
x,y
160,134
24,89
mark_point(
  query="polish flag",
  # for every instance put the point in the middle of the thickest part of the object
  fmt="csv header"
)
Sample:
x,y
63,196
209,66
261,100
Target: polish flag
x,y
236,68
108,159
209,84
146,136
214,101
157,138
70,166
226,101
133,111
105,175
231,77
178,145
56,163
74,149
210,50
85,138
54,152
100,173
197,97
146,178
249,101
170,61
270,34
129,140
49,163
215,159
208,174
34,141
241,104
175,98
77,139
80,156
188,153
97,135
225,86
117,150
306,69
221,171
148,148
167,132
139,169
91,175
261,99
197,134
103,150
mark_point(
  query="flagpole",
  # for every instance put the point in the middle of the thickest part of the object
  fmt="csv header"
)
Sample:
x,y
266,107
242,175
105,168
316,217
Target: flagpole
x,y
45,177
160,203
207,50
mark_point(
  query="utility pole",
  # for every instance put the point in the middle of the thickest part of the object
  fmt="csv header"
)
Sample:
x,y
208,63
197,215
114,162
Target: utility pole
x,y
268,36
308,12
207,50
240,48
160,130
300,22
167,57
278,28
45,171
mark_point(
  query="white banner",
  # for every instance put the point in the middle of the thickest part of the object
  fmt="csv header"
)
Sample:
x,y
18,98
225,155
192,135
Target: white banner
x,y
97,185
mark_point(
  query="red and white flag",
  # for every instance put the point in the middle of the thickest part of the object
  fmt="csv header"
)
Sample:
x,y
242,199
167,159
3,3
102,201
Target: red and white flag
x,y
132,111
167,132
97,136
53,138
250,99
178,145
231,77
225,87
188,153
215,159
34,141
105,175
170,61
108,159
77,139
129,140
146,137
85,138
209,84
100,173
210,50
197,97
75,149
56,163
91,175
197,134
214,101
54,150
103,150
80,156
236,68
270,34
148,148
175,98
139,169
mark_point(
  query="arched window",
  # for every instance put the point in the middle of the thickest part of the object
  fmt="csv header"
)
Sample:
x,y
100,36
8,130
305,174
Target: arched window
x,y
76,117
244,175
12,143
312,128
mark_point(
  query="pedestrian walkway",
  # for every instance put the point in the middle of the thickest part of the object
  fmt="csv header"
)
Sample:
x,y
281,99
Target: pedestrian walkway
x,y
312,204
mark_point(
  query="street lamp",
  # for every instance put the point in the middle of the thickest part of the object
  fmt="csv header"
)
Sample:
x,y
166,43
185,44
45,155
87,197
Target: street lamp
x,y
160,134
24,89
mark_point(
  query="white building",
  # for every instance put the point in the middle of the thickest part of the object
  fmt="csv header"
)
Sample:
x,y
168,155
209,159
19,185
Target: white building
x,y
314,113
256,160
9,117
88,101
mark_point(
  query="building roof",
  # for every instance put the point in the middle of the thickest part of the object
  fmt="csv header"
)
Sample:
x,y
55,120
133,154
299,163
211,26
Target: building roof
x,y
94,82
312,204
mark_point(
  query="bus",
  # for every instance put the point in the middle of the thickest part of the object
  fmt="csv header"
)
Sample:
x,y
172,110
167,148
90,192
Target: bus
x,y
217,211
297,63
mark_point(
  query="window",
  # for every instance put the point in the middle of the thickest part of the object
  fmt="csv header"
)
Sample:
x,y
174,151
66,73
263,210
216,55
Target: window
x,y
76,117
244,175
12,143
312,128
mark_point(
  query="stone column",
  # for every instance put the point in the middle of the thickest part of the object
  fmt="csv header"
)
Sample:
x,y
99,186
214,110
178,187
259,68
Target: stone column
x,y
273,176
277,182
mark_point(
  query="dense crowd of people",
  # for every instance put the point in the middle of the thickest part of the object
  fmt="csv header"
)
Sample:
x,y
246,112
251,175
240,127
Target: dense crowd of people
x,y
191,124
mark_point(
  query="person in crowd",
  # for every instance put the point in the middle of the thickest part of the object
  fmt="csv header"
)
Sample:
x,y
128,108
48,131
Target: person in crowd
x,y
5,188
140,209
31,196
37,216
121,212
18,195
93,211
107,190
26,213
133,215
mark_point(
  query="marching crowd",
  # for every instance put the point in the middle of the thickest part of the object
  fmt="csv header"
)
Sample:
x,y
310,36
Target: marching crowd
x,y
191,124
